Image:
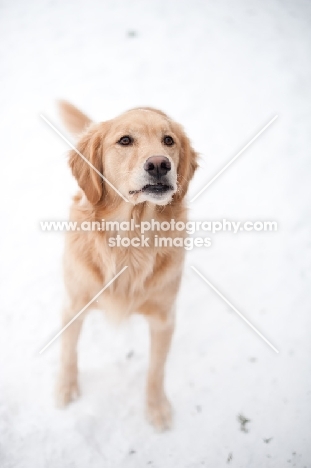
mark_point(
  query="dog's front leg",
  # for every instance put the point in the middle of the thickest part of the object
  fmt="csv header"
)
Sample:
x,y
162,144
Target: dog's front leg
x,y
67,388
159,411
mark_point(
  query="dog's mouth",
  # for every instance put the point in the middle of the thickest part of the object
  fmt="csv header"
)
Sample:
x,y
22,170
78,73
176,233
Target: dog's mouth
x,y
157,189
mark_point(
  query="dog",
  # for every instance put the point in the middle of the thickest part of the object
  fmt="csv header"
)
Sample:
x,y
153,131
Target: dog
x,y
149,160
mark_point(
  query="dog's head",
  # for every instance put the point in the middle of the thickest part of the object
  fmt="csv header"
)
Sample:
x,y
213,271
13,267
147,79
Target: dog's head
x,y
142,153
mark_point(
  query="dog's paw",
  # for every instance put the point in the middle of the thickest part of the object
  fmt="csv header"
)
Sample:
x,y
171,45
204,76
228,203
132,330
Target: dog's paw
x,y
66,391
160,414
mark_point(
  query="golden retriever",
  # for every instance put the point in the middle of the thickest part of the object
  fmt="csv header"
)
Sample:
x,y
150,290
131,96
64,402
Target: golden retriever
x,y
148,158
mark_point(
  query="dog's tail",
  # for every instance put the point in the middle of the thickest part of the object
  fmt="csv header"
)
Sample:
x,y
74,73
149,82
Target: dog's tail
x,y
74,120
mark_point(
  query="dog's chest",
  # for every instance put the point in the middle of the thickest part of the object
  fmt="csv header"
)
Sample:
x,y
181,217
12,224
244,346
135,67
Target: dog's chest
x,y
140,258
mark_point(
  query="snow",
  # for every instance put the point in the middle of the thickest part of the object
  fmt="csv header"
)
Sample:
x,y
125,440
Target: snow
x,y
223,70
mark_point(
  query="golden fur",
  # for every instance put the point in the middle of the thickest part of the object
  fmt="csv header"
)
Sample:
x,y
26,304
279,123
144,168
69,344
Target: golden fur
x,y
150,283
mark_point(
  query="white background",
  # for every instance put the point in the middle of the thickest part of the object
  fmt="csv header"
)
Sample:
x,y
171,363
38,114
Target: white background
x,y
223,69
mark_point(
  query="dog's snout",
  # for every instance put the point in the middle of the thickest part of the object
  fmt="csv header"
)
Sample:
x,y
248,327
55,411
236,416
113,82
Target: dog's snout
x,y
157,166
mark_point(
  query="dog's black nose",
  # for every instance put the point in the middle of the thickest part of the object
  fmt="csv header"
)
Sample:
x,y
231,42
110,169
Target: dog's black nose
x,y
157,166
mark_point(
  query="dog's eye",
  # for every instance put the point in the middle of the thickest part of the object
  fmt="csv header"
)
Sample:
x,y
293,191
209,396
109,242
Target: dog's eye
x,y
126,140
168,140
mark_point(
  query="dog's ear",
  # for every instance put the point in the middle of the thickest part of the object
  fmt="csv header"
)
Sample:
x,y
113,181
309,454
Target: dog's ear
x,y
87,166
187,162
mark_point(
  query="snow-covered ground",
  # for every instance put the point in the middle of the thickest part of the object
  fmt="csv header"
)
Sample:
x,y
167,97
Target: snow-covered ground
x,y
223,69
